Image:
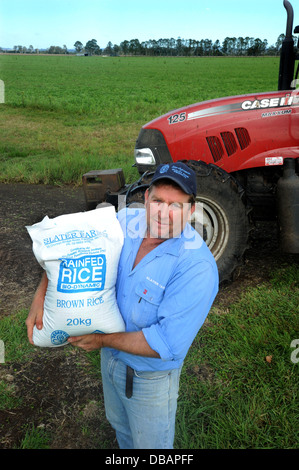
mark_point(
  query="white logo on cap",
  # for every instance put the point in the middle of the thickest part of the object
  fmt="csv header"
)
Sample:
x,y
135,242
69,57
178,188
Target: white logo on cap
x,y
181,172
164,169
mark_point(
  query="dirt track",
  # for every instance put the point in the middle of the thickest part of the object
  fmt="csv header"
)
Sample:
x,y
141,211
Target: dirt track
x,y
23,205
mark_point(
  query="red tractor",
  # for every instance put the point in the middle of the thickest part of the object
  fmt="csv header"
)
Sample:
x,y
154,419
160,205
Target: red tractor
x,y
245,152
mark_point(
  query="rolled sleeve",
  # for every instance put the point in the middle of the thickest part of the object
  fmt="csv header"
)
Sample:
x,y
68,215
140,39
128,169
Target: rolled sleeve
x,y
182,312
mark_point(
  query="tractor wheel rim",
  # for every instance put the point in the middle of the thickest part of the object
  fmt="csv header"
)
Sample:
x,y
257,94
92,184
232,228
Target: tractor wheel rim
x,y
210,220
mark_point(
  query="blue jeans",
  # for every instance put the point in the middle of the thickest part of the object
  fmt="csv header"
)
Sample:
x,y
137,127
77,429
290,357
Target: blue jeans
x,y
147,419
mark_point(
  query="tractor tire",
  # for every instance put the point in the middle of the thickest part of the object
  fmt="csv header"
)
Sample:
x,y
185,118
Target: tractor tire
x,y
221,216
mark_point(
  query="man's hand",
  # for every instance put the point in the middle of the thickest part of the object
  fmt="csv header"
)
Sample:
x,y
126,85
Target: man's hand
x,y
132,342
87,342
35,316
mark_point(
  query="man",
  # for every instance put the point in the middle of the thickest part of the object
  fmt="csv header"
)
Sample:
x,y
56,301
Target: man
x,y
167,282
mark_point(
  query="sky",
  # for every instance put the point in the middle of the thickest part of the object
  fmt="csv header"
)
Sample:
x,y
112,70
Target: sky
x,y
43,23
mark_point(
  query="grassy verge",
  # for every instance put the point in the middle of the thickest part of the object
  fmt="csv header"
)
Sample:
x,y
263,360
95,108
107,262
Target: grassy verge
x,y
239,386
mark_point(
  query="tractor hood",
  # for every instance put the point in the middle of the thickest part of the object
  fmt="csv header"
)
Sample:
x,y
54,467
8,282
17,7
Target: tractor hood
x,y
235,132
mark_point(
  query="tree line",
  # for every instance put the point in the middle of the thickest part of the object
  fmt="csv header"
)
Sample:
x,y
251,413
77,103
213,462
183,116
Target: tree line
x,y
231,46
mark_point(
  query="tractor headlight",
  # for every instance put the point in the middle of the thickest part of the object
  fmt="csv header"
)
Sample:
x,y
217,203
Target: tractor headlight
x,y
144,156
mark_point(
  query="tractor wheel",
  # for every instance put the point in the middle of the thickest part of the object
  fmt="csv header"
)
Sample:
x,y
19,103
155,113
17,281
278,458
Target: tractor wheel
x,y
221,216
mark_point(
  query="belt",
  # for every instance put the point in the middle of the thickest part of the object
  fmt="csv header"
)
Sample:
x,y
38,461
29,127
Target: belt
x,y
129,382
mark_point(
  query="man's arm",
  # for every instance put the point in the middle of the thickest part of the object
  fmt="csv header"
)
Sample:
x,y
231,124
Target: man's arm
x,y
132,342
35,316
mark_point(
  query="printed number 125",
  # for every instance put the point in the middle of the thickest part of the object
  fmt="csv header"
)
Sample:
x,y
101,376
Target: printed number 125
x,y
175,118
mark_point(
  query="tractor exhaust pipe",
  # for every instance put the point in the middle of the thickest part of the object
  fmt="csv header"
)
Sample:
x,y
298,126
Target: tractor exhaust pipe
x,y
290,18
287,54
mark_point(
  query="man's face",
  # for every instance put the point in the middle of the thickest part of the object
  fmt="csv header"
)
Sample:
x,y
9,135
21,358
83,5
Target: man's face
x,y
167,211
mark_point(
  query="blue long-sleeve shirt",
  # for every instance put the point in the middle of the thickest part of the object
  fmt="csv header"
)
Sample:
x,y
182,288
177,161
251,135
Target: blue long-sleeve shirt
x,y
167,295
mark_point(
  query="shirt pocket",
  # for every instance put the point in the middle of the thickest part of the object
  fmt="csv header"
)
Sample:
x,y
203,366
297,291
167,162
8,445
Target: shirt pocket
x,y
145,309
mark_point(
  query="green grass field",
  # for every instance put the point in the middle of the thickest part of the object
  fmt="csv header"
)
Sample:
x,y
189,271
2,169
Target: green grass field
x,y
66,115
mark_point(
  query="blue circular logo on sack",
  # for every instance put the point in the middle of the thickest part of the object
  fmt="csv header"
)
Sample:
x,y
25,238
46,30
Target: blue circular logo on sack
x,y
59,337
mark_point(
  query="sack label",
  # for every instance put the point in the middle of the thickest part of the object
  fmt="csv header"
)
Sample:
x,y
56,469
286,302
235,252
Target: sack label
x,y
87,273
73,236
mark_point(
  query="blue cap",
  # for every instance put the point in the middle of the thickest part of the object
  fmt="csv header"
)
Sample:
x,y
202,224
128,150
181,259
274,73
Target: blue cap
x,y
178,172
